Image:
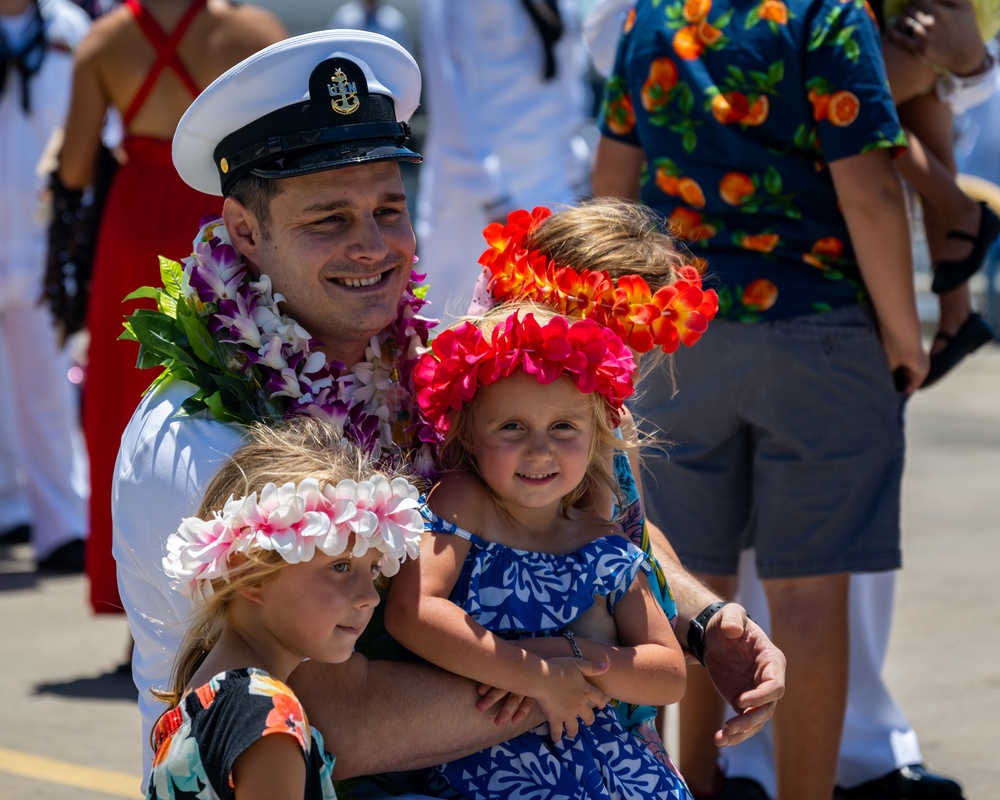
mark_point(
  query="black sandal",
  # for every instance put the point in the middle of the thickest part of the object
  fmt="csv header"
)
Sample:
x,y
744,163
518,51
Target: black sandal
x,y
949,275
973,334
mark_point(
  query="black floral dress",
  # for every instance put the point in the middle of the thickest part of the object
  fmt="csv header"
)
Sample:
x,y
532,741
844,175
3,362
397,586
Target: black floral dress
x,y
198,742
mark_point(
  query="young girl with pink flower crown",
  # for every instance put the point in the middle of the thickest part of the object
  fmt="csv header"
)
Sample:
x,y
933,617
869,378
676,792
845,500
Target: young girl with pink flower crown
x,y
522,542
282,561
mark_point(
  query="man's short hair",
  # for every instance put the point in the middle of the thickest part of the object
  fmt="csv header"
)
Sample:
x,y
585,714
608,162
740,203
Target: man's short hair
x,y
256,194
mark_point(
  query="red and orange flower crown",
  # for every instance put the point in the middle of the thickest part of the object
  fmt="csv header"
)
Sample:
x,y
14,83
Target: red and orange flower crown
x,y
462,359
673,315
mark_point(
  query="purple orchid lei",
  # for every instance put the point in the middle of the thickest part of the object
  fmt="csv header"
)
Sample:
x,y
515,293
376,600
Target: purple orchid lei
x,y
253,362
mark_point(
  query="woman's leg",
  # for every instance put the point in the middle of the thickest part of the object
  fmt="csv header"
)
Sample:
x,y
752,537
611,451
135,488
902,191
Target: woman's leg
x,y
929,166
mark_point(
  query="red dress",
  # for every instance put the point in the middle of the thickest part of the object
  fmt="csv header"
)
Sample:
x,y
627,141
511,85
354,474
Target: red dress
x,y
149,212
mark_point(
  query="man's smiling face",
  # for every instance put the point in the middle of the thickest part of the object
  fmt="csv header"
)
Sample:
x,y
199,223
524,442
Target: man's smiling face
x,y
339,247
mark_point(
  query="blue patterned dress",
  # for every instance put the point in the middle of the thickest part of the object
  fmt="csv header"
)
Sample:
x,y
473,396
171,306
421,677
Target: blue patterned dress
x,y
518,594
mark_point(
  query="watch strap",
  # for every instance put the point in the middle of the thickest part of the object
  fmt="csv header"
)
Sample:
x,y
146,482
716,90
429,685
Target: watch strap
x,y
696,630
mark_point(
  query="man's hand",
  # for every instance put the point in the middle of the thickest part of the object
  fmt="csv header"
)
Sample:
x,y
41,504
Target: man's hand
x,y
747,670
942,31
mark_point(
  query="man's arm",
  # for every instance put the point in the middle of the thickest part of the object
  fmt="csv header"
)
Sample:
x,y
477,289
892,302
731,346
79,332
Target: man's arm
x,y
744,665
388,716
871,198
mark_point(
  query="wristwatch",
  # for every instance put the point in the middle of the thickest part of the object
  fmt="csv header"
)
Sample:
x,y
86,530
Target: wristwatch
x,y
696,630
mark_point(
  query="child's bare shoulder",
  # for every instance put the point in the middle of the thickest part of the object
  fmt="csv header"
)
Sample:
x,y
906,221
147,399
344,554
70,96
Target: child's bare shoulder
x,y
459,497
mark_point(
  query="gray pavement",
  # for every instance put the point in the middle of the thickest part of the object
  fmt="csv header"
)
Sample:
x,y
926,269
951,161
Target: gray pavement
x,y
69,726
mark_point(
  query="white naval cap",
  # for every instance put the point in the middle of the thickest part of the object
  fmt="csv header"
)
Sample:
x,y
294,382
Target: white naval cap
x,y
310,103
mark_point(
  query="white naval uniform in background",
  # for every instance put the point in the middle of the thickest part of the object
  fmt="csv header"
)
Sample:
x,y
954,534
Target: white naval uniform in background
x,y
499,138
40,433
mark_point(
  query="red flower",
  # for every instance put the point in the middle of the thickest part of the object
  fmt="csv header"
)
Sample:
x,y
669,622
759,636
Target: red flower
x,y
644,321
461,360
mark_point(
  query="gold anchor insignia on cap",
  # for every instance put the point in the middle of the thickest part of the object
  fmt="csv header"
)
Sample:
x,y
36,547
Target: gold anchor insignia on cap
x,y
344,93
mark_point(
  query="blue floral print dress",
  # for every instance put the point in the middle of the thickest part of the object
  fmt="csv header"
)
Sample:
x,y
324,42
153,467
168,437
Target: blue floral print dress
x,y
519,594
198,741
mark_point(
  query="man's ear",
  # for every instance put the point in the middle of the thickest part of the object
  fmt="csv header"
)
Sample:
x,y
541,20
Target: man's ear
x,y
243,228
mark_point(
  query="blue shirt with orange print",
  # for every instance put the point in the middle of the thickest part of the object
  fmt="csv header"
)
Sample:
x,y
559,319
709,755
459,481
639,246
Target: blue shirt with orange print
x,y
739,105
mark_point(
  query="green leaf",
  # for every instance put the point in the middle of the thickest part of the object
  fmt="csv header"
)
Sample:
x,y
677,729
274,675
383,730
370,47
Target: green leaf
x,y
725,300
685,98
852,50
143,293
201,341
160,341
689,141
217,407
723,20
737,74
776,72
772,181
172,275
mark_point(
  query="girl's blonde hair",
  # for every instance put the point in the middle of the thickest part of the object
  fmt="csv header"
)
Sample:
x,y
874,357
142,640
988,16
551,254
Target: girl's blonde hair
x,y
455,452
291,451
615,236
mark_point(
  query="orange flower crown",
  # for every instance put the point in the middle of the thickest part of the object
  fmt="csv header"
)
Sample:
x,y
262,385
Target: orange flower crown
x,y
462,359
673,315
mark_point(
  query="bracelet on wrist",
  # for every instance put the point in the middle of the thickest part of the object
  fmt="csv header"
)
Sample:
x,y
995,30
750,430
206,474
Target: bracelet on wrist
x,y
577,652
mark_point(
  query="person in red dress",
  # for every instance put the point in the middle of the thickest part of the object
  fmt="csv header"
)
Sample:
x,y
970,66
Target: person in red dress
x,y
145,61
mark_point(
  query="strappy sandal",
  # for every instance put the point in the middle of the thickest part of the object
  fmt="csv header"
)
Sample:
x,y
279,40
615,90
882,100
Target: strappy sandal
x,y
949,275
973,334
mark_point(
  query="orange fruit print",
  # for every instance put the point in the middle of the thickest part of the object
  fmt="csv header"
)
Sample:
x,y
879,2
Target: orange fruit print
x,y
730,107
683,221
761,242
758,111
691,193
668,184
829,246
774,10
697,10
760,295
708,33
736,188
621,116
662,78
844,108
686,43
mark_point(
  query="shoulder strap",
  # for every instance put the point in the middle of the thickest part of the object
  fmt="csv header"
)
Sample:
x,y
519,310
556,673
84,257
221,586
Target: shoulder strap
x,y
166,53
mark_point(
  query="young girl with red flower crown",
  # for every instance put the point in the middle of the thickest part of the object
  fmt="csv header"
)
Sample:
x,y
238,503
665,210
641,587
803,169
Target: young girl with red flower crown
x,y
281,561
523,540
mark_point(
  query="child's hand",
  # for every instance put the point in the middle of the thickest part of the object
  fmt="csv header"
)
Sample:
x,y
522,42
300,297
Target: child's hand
x,y
567,697
515,706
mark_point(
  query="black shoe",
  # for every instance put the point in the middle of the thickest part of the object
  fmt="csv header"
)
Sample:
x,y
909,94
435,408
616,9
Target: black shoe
x,y
736,789
906,783
19,534
949,275
66,559
973,334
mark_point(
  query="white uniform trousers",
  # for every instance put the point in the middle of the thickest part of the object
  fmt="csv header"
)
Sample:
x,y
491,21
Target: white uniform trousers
x,y
42,423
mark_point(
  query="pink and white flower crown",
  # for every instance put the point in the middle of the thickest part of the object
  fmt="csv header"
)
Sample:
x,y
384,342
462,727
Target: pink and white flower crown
x,y
462,359
296,521
673,315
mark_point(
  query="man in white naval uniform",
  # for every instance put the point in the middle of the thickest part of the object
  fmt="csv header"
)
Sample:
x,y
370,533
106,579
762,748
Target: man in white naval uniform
x,y
314,200
42,432
505,109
